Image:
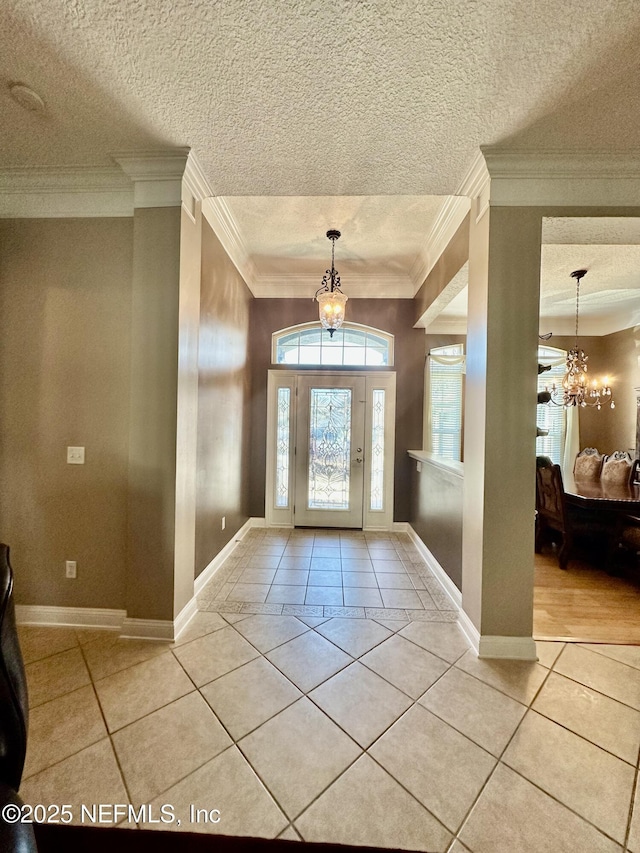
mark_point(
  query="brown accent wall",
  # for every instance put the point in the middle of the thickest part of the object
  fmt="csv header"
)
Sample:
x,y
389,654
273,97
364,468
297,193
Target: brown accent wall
x,y
65,321
392,315
224,420
436,514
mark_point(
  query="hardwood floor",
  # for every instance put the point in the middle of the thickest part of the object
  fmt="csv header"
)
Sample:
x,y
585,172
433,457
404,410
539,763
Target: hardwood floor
x,y
584,603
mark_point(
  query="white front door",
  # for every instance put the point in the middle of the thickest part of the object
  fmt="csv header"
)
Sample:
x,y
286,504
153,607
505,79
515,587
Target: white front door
x,y
329,451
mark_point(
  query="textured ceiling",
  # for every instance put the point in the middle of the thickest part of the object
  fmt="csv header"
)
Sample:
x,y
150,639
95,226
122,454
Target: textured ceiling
x,y
381,250
302,97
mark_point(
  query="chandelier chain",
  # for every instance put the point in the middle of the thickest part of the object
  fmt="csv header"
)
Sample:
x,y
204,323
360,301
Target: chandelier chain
x,y
577,307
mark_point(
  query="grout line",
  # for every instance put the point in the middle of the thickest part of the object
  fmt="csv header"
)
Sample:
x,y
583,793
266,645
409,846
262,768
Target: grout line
x,y
500,755
500,762
104,720
634,789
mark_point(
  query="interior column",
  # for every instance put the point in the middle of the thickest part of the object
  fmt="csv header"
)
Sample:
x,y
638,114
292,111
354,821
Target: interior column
x,y
500,430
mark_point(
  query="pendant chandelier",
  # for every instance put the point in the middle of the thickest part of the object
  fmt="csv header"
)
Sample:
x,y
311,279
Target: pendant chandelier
x,y
331,299
576,389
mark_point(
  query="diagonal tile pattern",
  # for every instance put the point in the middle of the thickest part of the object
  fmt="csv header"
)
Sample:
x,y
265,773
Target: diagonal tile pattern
x,y
311,697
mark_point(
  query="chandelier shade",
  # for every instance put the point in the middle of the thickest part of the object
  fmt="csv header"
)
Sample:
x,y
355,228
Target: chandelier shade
x,y
576,389
331,300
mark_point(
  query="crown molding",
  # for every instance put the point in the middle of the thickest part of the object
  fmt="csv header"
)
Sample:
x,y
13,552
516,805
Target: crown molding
x,y
49,192
217,213
156,175
355,286
449,219
195,186
563,178
195,178
161,165
477,178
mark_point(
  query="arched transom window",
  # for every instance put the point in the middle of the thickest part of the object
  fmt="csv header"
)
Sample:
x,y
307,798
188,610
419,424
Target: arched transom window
x,y
352,345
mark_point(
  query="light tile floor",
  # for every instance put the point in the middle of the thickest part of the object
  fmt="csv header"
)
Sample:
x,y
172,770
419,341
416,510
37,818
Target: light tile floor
x,y
339,722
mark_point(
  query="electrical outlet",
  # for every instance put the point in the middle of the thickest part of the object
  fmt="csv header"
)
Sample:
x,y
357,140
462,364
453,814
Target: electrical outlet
x,y
71,568
75,455
224,522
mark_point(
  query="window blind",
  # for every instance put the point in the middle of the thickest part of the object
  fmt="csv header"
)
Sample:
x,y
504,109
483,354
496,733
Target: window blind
x,y
446,368
550,416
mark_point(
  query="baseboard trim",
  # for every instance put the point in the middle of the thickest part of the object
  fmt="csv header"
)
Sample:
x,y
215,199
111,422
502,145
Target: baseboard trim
x,y
147,629
205,576
511,648
442,577
184,617
400,527
469,630
506,648
71,617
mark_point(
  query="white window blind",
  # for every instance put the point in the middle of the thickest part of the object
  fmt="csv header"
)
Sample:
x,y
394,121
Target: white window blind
x,y
446,368
550,416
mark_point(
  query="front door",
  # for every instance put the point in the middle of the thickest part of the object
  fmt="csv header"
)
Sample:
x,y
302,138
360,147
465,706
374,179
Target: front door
x,y
329,451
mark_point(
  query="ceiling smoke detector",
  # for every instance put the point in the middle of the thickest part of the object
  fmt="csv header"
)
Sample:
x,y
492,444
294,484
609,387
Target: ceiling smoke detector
x,y
26,97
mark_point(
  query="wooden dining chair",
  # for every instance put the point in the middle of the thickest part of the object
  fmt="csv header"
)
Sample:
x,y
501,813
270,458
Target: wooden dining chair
x,y
556,519
552,516
617,469
588,464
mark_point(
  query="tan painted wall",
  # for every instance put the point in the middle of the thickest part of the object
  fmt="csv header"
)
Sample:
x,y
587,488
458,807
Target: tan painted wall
x,y
224,421
152,434
391,315
499,483
65,318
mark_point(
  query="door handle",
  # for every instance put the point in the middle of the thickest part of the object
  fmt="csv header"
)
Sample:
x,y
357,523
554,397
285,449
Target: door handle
x,y
358,459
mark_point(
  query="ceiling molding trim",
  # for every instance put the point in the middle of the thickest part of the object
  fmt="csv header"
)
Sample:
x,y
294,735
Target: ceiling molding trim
x,y
221,219
449,219
477,179
156,175
163,165
355,286
60,192
563,178
476,185
195,178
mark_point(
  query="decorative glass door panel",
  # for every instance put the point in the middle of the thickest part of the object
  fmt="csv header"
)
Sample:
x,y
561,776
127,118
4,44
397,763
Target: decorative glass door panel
x,y
329,451
329,448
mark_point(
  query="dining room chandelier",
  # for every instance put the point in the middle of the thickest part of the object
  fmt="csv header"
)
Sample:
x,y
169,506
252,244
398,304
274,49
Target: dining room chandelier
x,y
331,299
576,389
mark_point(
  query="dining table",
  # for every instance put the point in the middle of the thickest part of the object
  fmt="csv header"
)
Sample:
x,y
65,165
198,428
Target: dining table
x,y
611,509
594,495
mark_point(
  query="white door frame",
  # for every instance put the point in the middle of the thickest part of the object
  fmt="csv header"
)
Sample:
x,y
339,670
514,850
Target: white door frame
x,y
281,388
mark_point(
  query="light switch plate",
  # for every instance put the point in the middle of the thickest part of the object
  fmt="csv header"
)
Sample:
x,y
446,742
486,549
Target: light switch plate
x,y
75,455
